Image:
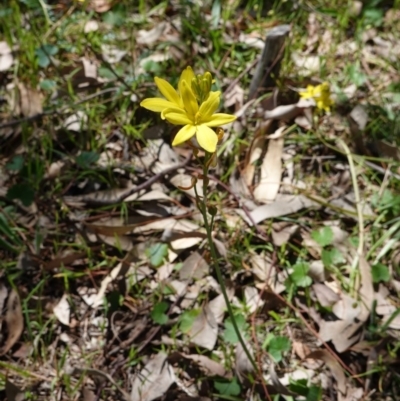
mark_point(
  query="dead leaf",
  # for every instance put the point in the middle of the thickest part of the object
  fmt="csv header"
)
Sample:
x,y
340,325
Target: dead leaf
x,y
217,306
282,232
26,101
204,330
334,367
13,392
282,206
6,57
194,267
243,365
208,366
76,122
14,321
62,310
112,54
326,296
153,380
343,332
307,64
144,37
100,6
91,26
271,172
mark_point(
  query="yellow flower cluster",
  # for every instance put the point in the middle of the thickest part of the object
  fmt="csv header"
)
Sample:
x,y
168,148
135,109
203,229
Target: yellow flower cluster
x,y
193,105
321,94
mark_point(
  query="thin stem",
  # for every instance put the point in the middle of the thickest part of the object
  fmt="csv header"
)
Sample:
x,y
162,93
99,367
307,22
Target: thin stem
x,y
214,255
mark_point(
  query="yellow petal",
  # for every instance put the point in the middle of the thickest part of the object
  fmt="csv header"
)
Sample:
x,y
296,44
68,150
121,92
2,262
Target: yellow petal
x,y
189,100
184,134
172,109
156,104
218,119
176,116
187,75
208,108
167,90
206,138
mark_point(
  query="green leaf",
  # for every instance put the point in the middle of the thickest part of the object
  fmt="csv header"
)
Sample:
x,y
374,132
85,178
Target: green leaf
x,y
277,346
22,192
187,318
299,275
85,159
43,54
380,273
332,257
229,388
16,164
323,237
355,75
158,313
230,333
157,254
48,84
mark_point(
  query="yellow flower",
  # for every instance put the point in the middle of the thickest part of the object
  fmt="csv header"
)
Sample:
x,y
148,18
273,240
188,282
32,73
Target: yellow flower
x,y
321,94
197,120
173,98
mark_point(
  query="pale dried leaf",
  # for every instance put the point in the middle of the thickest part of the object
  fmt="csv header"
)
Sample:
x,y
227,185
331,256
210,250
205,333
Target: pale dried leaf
x,y
27,101
184,183
208,366
307,64
333,365
144,37
112,54
204,330
100,6
252,298
235,97
91,26
14,321
62,310
325,295
194,267
342,332
282,232
254,154
243,365
217,306
282,206
76,122
154,379
6,57
271,172
366,289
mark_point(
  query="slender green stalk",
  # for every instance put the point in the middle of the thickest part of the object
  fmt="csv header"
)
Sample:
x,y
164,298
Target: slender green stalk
x,y
202,204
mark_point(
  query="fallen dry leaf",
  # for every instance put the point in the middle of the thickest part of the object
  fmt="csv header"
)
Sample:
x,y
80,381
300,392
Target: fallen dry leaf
x,y
271,172
6,57
204,330
283,205
208,366
194,267
13,392
14,321
62,310
333,365
153,380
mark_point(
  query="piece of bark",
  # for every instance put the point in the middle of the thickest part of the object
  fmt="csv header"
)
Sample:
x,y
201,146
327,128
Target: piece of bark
x,y
269,65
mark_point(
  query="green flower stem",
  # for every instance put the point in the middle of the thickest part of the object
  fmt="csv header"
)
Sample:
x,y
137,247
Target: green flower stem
x,y
208,226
